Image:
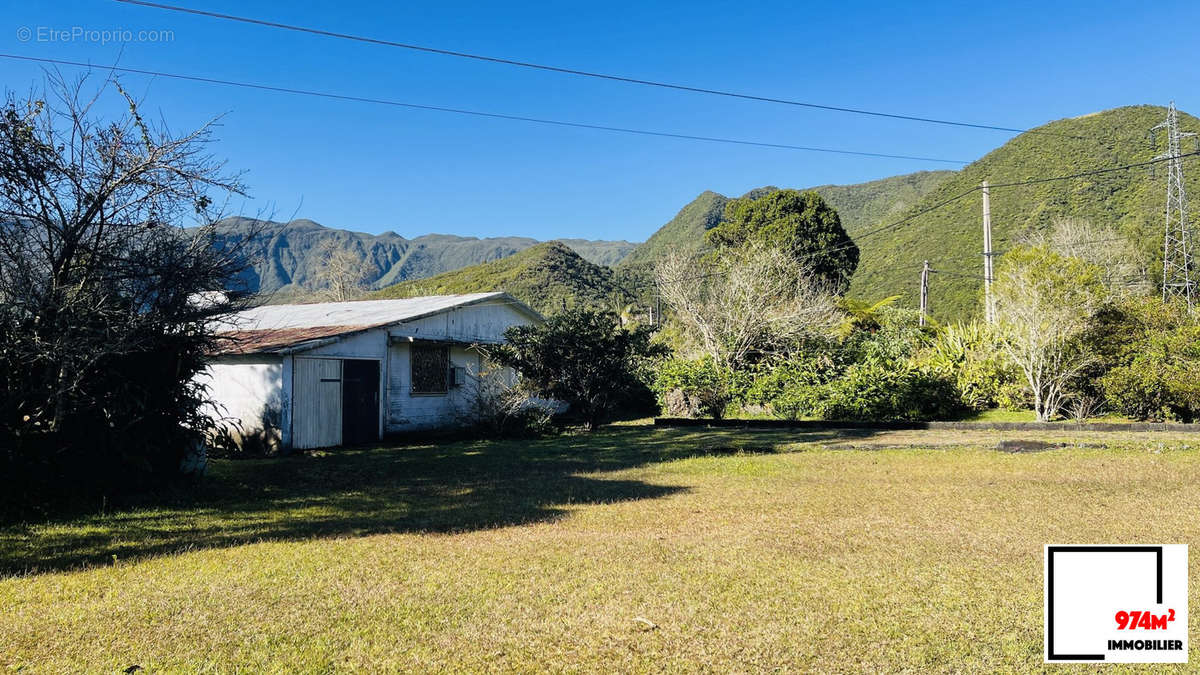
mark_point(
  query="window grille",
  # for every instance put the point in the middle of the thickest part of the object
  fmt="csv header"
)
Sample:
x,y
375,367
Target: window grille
x,y
430,369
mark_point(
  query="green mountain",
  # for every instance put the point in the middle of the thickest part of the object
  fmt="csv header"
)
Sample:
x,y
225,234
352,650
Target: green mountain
x,y
545,276
950,236
285,257
685,232
859,206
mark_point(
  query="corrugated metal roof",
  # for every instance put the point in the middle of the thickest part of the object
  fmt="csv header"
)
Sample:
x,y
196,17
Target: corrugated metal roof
x,y
273,328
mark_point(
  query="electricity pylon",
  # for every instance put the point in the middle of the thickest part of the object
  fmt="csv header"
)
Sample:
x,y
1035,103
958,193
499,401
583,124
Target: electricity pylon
x,y
1177,245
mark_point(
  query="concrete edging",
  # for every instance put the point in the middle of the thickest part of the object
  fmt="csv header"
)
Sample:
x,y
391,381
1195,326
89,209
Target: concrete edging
x,y
904,426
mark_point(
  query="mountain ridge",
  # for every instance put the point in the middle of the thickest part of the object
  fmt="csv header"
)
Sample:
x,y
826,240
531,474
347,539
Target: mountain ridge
x,y
284,260
548,276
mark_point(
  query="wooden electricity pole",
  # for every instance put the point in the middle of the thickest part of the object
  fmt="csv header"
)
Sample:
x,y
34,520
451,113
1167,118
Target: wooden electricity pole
x,y
924,291
989,306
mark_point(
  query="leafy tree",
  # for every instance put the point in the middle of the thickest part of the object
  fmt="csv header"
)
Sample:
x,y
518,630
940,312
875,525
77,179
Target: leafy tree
x,y
1149,359
1044,302
800,223
580,356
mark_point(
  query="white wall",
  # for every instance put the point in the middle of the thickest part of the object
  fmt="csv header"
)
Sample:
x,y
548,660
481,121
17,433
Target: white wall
x,y
250,389
258,387
485,322
407,411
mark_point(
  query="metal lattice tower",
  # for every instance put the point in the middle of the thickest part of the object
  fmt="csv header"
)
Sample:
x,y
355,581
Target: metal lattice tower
x,y
1177,245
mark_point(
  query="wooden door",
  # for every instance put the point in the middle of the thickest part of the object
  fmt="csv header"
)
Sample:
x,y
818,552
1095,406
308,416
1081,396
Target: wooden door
x,y
316,403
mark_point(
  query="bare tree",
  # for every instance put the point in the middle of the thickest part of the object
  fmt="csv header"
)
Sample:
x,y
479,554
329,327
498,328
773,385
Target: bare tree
x,y
1043,303
756,298
342,274
98,275
1124,267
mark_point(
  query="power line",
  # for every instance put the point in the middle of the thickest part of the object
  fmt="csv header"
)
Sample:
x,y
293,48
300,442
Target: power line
x,y
961,195
477,113
1096,172
573,71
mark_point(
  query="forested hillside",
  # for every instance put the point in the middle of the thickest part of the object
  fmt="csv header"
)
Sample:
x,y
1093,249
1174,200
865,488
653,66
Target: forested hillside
x,y
950,237
546,276
859,206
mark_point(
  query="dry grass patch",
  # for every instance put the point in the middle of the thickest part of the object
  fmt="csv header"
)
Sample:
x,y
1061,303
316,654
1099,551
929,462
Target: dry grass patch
x,y
630,549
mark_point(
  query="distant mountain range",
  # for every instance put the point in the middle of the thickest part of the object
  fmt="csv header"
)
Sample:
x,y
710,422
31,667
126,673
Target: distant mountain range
x,y
930,225
552,276
284,256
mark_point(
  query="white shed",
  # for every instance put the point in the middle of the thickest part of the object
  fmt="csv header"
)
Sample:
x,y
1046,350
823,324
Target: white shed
x,y
326,374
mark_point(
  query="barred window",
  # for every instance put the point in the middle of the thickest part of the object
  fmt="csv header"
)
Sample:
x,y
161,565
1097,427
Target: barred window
x,y
430,368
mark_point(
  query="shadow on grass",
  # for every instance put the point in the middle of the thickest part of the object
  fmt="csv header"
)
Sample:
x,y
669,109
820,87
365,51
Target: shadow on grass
x,y
445,487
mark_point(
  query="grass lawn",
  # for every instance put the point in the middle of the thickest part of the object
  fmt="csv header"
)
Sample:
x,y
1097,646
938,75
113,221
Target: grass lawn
x,y
633,548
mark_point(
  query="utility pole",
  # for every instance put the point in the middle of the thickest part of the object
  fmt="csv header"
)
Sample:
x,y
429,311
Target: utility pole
x,y
989,306
1177,246
924,291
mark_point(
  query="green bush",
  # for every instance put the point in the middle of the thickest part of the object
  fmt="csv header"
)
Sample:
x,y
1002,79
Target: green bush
x,y
970,355
893,337
582,357
696,387
1152,363
786,386
880,393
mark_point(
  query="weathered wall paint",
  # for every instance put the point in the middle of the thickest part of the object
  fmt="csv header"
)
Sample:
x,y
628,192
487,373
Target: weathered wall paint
x,y
264,390
249,389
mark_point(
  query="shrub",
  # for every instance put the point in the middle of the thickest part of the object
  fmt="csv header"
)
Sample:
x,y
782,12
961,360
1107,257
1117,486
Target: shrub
x,y
788,386
879,393
582,357
893,337
1149,359
970,355
697,387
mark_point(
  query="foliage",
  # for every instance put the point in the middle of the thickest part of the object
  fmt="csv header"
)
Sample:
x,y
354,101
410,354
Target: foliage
x,y
1151,353
1123,263
549,277
877,392
971,355
104,319
1127,202
895,337
859,206
499,409
862,315
789,389
799,223
871,375
697,387
580,356
1044,302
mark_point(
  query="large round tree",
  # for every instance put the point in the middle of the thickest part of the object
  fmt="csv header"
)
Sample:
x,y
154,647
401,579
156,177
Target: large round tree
x,y
800,223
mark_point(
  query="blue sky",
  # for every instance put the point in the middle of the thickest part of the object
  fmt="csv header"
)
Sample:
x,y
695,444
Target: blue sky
x,y
374,168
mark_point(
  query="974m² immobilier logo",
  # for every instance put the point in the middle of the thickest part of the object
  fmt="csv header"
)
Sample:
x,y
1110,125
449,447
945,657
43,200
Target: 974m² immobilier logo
x,y
1116,604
